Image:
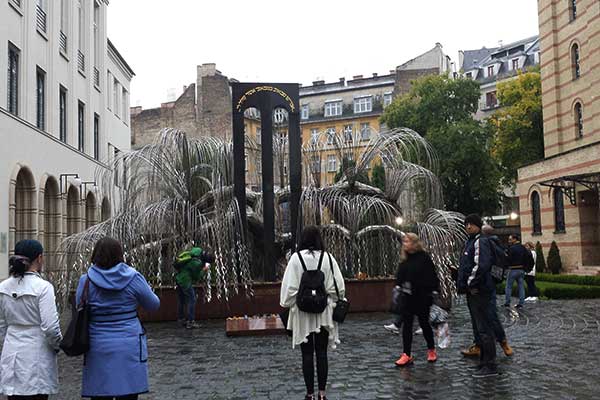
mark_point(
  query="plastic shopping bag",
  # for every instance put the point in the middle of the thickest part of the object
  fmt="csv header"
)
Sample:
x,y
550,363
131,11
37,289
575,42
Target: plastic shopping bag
x,y
442,335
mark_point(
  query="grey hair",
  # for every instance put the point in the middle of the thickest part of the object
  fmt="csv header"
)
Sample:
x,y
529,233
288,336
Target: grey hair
x,y
487,229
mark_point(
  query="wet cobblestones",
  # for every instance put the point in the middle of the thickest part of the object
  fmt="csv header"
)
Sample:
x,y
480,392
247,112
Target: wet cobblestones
x,y
556,343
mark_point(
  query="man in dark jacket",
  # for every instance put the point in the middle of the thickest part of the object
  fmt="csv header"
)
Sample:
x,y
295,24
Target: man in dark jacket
x,y
475,279
518,258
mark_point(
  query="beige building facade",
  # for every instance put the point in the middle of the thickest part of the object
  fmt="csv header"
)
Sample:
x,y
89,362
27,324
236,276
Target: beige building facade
x,y
559,196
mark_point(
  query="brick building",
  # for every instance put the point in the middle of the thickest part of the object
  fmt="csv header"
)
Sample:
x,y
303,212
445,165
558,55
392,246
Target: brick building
x,y
559,195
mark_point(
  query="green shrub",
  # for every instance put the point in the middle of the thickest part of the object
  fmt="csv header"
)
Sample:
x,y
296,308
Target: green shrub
x,y
554,261
573,279
556,291
540,261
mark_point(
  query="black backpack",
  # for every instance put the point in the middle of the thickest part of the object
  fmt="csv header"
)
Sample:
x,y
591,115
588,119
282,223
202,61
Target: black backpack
x,y
500,265
312,296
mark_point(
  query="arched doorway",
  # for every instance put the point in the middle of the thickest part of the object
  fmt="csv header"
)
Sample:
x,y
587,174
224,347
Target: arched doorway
x,y
73,211
51,233
24,204
90,210
105,212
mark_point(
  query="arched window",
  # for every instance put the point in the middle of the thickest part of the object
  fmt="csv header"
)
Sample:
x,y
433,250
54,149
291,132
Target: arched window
x,y
575,61
90,210
73,212
52,222
573,9
536,213
559,210
105,210
579,119
25,206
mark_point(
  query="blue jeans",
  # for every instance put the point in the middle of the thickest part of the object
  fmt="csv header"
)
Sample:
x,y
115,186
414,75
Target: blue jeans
x,y
518,275
186,303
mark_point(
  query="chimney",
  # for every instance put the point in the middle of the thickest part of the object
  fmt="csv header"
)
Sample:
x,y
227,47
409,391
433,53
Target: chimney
x,y
208,69
438,44
342,80
184,88
374,74
318,83
392,71
357,77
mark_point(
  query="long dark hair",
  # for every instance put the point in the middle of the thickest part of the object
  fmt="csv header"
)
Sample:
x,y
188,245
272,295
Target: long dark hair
x,y
26,252
107,253
311,239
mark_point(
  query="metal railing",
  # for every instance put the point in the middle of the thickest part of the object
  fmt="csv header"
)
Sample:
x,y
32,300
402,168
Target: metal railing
x,y
80,61
41,19
62,42
96,77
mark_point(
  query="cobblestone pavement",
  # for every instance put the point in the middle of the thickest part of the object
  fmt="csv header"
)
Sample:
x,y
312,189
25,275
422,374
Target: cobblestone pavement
x,y
556,357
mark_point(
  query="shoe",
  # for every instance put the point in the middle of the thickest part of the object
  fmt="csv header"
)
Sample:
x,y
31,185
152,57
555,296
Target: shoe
x,y
485,372
519,305
419,331
534,299
404,360
472,351
322,397
392,328
431,355
191,325
309,397
508,351
528,298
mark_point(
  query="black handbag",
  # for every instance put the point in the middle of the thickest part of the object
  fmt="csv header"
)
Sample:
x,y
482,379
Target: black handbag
x,y
341,306
398,301
285,316
77,338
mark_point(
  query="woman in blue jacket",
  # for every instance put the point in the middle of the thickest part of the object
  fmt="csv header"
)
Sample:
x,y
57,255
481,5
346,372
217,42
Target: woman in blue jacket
x,y
116,364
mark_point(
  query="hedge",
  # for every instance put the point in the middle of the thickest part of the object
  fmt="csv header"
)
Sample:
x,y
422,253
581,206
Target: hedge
x,y
574,279
554,290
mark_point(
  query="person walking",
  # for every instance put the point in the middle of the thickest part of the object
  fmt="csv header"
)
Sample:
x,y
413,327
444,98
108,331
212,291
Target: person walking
x,y
474,350
115,367
532,290
191,267
475,280
418,280
518,259
29,327
314,332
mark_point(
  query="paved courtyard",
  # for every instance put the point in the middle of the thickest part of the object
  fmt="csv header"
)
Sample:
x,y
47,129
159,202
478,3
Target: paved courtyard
x,y
557,352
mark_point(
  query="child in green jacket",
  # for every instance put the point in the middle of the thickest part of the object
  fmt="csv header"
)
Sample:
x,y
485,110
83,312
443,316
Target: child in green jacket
x,y
191,267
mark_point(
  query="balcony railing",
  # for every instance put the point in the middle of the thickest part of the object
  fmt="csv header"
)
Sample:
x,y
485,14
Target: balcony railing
x,y
80,61
63,42
96,77
41,19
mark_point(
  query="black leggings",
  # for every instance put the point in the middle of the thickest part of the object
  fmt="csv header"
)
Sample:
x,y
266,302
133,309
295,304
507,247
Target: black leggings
x,y
407,329
532,290
128,397
32,397
317,343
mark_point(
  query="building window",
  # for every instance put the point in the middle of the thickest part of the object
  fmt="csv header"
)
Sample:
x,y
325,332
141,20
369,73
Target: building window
x,y
515,64
314,136
109,81
41,17
246,162
387,99
333,108
469,75
81,126
579,119
116,96
491,70
348,133
315,164
536,213
331,163
330,136
305,112
363,104
13,80
125,106
117,169
559,210
491,100
97,44
365,131
64,23
81,44
573,9
575,61
279,116
96,136
40,93
258,135
62,117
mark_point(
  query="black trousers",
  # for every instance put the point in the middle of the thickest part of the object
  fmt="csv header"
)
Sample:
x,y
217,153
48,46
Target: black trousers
x,y
32,397
317,344
407,328
532,290
480,305
128,397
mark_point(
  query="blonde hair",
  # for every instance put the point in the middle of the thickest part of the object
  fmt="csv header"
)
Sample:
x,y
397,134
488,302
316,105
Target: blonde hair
x,y
413,237
530,245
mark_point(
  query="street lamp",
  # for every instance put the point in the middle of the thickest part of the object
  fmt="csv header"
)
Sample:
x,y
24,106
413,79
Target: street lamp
x,y
514,216
399,221
75,181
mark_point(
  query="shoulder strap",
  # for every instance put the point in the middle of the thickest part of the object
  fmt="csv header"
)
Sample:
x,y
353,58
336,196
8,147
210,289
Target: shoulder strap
x,y
320,260
337,292
302,262
85,293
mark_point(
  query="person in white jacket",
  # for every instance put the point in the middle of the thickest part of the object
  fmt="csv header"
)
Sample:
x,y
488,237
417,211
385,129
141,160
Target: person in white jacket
x,y
313,332
29,327
532,290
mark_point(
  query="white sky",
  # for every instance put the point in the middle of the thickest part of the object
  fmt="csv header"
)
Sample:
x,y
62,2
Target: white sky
x,y
299,41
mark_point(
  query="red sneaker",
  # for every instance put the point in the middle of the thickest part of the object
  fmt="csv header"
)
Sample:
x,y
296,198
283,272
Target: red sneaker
x,y
431,355
404,360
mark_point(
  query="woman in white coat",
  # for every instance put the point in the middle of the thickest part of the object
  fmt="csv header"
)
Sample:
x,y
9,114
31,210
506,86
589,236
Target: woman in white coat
x,y
29,327
313,332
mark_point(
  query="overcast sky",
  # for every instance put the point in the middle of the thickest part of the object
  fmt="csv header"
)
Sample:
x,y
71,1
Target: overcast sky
x,y
299,41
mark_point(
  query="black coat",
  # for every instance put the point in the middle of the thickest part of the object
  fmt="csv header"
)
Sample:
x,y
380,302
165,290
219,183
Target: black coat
x,y
419,270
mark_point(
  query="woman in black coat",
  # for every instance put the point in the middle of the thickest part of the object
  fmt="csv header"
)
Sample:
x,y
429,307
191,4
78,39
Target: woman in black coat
x,y
418,280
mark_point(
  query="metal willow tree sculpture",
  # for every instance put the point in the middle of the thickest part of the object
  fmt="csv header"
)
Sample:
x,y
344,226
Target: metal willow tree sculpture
x,y
178,192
